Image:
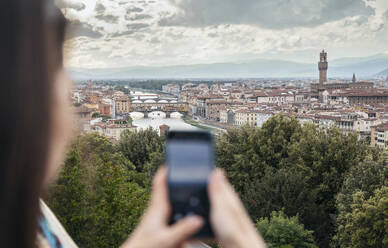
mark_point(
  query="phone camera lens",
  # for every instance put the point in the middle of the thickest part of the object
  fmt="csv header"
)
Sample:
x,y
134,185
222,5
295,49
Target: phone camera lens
x,y
194,201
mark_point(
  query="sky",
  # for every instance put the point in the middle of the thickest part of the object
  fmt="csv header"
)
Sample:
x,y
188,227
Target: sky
x,y
127,33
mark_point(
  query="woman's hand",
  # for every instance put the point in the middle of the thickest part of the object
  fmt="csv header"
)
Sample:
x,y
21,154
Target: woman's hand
x,y
230,222
153,230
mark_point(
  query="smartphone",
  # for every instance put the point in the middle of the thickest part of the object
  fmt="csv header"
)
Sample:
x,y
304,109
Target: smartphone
x,y
190,160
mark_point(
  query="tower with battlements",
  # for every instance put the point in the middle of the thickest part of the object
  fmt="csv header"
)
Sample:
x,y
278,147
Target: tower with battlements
x,y
323,66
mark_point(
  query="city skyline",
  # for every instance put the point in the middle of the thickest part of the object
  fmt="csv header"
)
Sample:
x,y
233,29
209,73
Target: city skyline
x,y
109,34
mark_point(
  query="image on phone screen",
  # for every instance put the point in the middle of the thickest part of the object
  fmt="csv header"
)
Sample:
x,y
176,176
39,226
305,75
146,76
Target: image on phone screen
x,y
190,162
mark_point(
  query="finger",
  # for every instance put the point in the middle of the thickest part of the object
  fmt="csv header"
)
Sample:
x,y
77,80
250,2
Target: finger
x,y
222,194
183,245
219,190
183,230
226,203
159,195
159,186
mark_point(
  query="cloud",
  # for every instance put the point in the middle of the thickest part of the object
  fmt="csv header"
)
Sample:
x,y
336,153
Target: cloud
x,y
175,36
134,9
386,15
273,14
358,21
123,3
108,18
78,28
100,8
137,26
129,32
137,17
213,31
71,4
155,40
132,28
212,35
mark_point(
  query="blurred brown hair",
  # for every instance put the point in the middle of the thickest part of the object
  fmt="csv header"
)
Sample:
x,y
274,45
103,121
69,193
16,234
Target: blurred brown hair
x,y
30,55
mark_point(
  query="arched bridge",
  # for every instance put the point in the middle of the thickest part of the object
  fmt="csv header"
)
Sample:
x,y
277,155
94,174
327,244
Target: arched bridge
x,y
167,108
155,115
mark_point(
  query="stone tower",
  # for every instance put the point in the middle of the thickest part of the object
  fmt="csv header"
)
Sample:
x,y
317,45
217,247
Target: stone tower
x,y
354,78
322,66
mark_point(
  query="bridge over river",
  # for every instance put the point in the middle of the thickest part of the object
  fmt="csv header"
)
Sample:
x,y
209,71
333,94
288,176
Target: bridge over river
x,y
158,109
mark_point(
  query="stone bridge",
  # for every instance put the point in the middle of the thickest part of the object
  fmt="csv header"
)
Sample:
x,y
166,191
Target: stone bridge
x,y
167,108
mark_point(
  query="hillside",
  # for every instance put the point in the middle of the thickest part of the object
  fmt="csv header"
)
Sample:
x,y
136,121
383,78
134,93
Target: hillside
x,y
345,67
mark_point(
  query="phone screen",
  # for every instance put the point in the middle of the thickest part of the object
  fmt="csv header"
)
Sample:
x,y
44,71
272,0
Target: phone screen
x,y
190,161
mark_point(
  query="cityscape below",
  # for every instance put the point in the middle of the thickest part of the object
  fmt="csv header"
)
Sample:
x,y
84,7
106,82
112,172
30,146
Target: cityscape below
x,y
113,106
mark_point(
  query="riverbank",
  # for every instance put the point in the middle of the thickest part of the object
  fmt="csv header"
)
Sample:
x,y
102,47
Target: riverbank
x,y
215,124
189,120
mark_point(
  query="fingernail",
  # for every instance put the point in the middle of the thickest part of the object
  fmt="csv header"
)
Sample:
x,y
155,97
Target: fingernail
x,y
196,220
220,174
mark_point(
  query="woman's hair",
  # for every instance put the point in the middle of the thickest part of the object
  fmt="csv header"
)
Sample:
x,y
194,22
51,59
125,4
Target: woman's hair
x,y
30,55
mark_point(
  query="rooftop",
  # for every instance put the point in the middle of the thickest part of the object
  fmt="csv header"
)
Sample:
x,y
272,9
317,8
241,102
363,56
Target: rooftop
x,y
382,127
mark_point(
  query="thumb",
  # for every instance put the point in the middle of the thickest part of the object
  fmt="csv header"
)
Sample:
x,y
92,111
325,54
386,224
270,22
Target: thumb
x,y
183,229
219,189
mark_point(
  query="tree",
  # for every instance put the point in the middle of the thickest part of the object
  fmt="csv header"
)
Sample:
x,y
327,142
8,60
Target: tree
x,y
367,223
361,182
96,114
129,120
277,135
156,160
96,196
116,204
287,190
122,89
260,162
138,146
366,177
246,153
326,155
68,197
281,231
235,153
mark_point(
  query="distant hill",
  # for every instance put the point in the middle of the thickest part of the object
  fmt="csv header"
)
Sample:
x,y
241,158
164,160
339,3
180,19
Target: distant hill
x,y
261,68
356,60
80,73
383,73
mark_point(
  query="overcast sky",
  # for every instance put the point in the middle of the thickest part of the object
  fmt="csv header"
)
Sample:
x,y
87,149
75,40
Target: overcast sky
x,y
119,33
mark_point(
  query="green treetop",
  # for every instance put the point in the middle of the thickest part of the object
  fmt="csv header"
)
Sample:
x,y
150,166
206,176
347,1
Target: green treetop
x,y
281,231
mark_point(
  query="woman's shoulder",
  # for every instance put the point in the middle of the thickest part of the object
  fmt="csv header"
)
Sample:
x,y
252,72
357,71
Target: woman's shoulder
x,y
51,233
